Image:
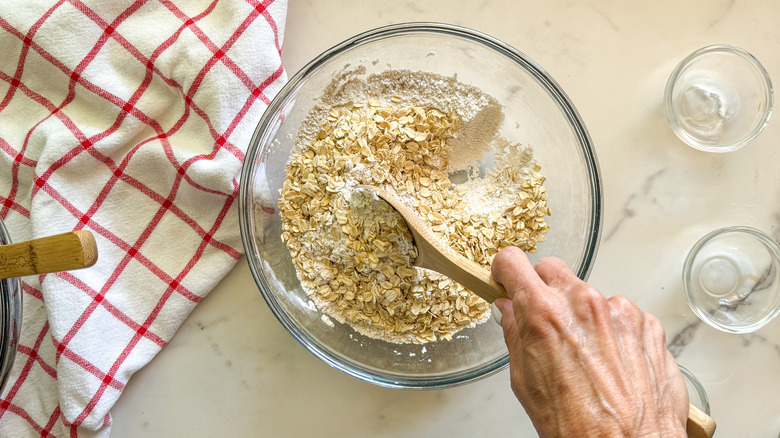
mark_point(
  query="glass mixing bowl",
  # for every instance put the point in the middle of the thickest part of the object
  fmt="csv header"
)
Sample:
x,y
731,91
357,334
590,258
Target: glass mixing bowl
x,y
10,317
538,113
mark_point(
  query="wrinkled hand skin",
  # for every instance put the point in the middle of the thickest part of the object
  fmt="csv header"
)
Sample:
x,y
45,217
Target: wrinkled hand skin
x,y
583,365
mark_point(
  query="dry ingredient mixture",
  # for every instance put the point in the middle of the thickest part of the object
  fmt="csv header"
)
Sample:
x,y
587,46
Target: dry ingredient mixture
x,y
412,133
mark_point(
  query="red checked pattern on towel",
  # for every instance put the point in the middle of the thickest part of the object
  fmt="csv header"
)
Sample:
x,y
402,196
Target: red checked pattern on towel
x,y
129,119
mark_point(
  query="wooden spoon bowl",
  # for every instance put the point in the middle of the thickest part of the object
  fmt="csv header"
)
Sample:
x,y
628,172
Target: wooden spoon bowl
x,y
433,255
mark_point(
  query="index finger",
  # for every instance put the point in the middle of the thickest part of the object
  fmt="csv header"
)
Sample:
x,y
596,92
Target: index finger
x,y
514,271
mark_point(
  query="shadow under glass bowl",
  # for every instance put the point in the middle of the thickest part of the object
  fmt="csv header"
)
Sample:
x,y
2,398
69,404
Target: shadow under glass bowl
x,y
10,317
537,113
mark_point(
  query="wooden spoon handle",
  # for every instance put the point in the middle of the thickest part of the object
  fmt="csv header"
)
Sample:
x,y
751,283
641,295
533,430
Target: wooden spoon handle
x,y
700,425
468,273
62,252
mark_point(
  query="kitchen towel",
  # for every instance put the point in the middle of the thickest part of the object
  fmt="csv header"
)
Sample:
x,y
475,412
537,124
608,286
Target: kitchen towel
x,y
129,119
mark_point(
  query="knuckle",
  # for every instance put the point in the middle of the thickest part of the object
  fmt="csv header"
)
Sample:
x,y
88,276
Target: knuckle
x,y
593,295
653,325
623,305
551,264
590,298
628,313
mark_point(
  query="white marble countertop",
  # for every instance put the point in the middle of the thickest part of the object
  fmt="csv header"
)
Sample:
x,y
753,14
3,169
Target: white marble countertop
x,y
245,376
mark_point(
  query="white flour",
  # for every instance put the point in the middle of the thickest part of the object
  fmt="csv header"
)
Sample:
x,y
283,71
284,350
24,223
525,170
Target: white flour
x,y
481,114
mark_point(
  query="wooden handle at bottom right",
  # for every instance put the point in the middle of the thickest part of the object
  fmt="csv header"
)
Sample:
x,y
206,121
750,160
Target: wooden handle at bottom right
x,y
700,425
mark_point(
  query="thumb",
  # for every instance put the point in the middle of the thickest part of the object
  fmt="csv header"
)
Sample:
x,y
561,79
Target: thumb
x,y
508,322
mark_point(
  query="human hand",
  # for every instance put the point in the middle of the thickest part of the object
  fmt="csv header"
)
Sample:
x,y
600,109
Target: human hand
x,y
583,365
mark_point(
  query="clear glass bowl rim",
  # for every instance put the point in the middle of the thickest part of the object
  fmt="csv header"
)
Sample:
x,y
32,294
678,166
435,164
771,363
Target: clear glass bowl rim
x,y
10,317
688,266
248,172
726,48
705,401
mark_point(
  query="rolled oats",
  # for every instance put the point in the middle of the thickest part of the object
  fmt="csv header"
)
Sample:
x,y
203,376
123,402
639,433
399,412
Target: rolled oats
x,y
358,268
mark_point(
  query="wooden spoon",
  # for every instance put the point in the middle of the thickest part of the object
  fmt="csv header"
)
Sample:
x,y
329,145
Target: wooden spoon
x,y
433,255
62,252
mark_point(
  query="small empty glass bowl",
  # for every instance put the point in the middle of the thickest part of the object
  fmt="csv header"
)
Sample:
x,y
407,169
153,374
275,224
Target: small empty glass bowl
x,y
696,393
731,281
719,98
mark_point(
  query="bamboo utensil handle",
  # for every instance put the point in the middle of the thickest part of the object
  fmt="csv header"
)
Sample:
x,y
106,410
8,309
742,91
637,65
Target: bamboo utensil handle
x,y
62,252
700,425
